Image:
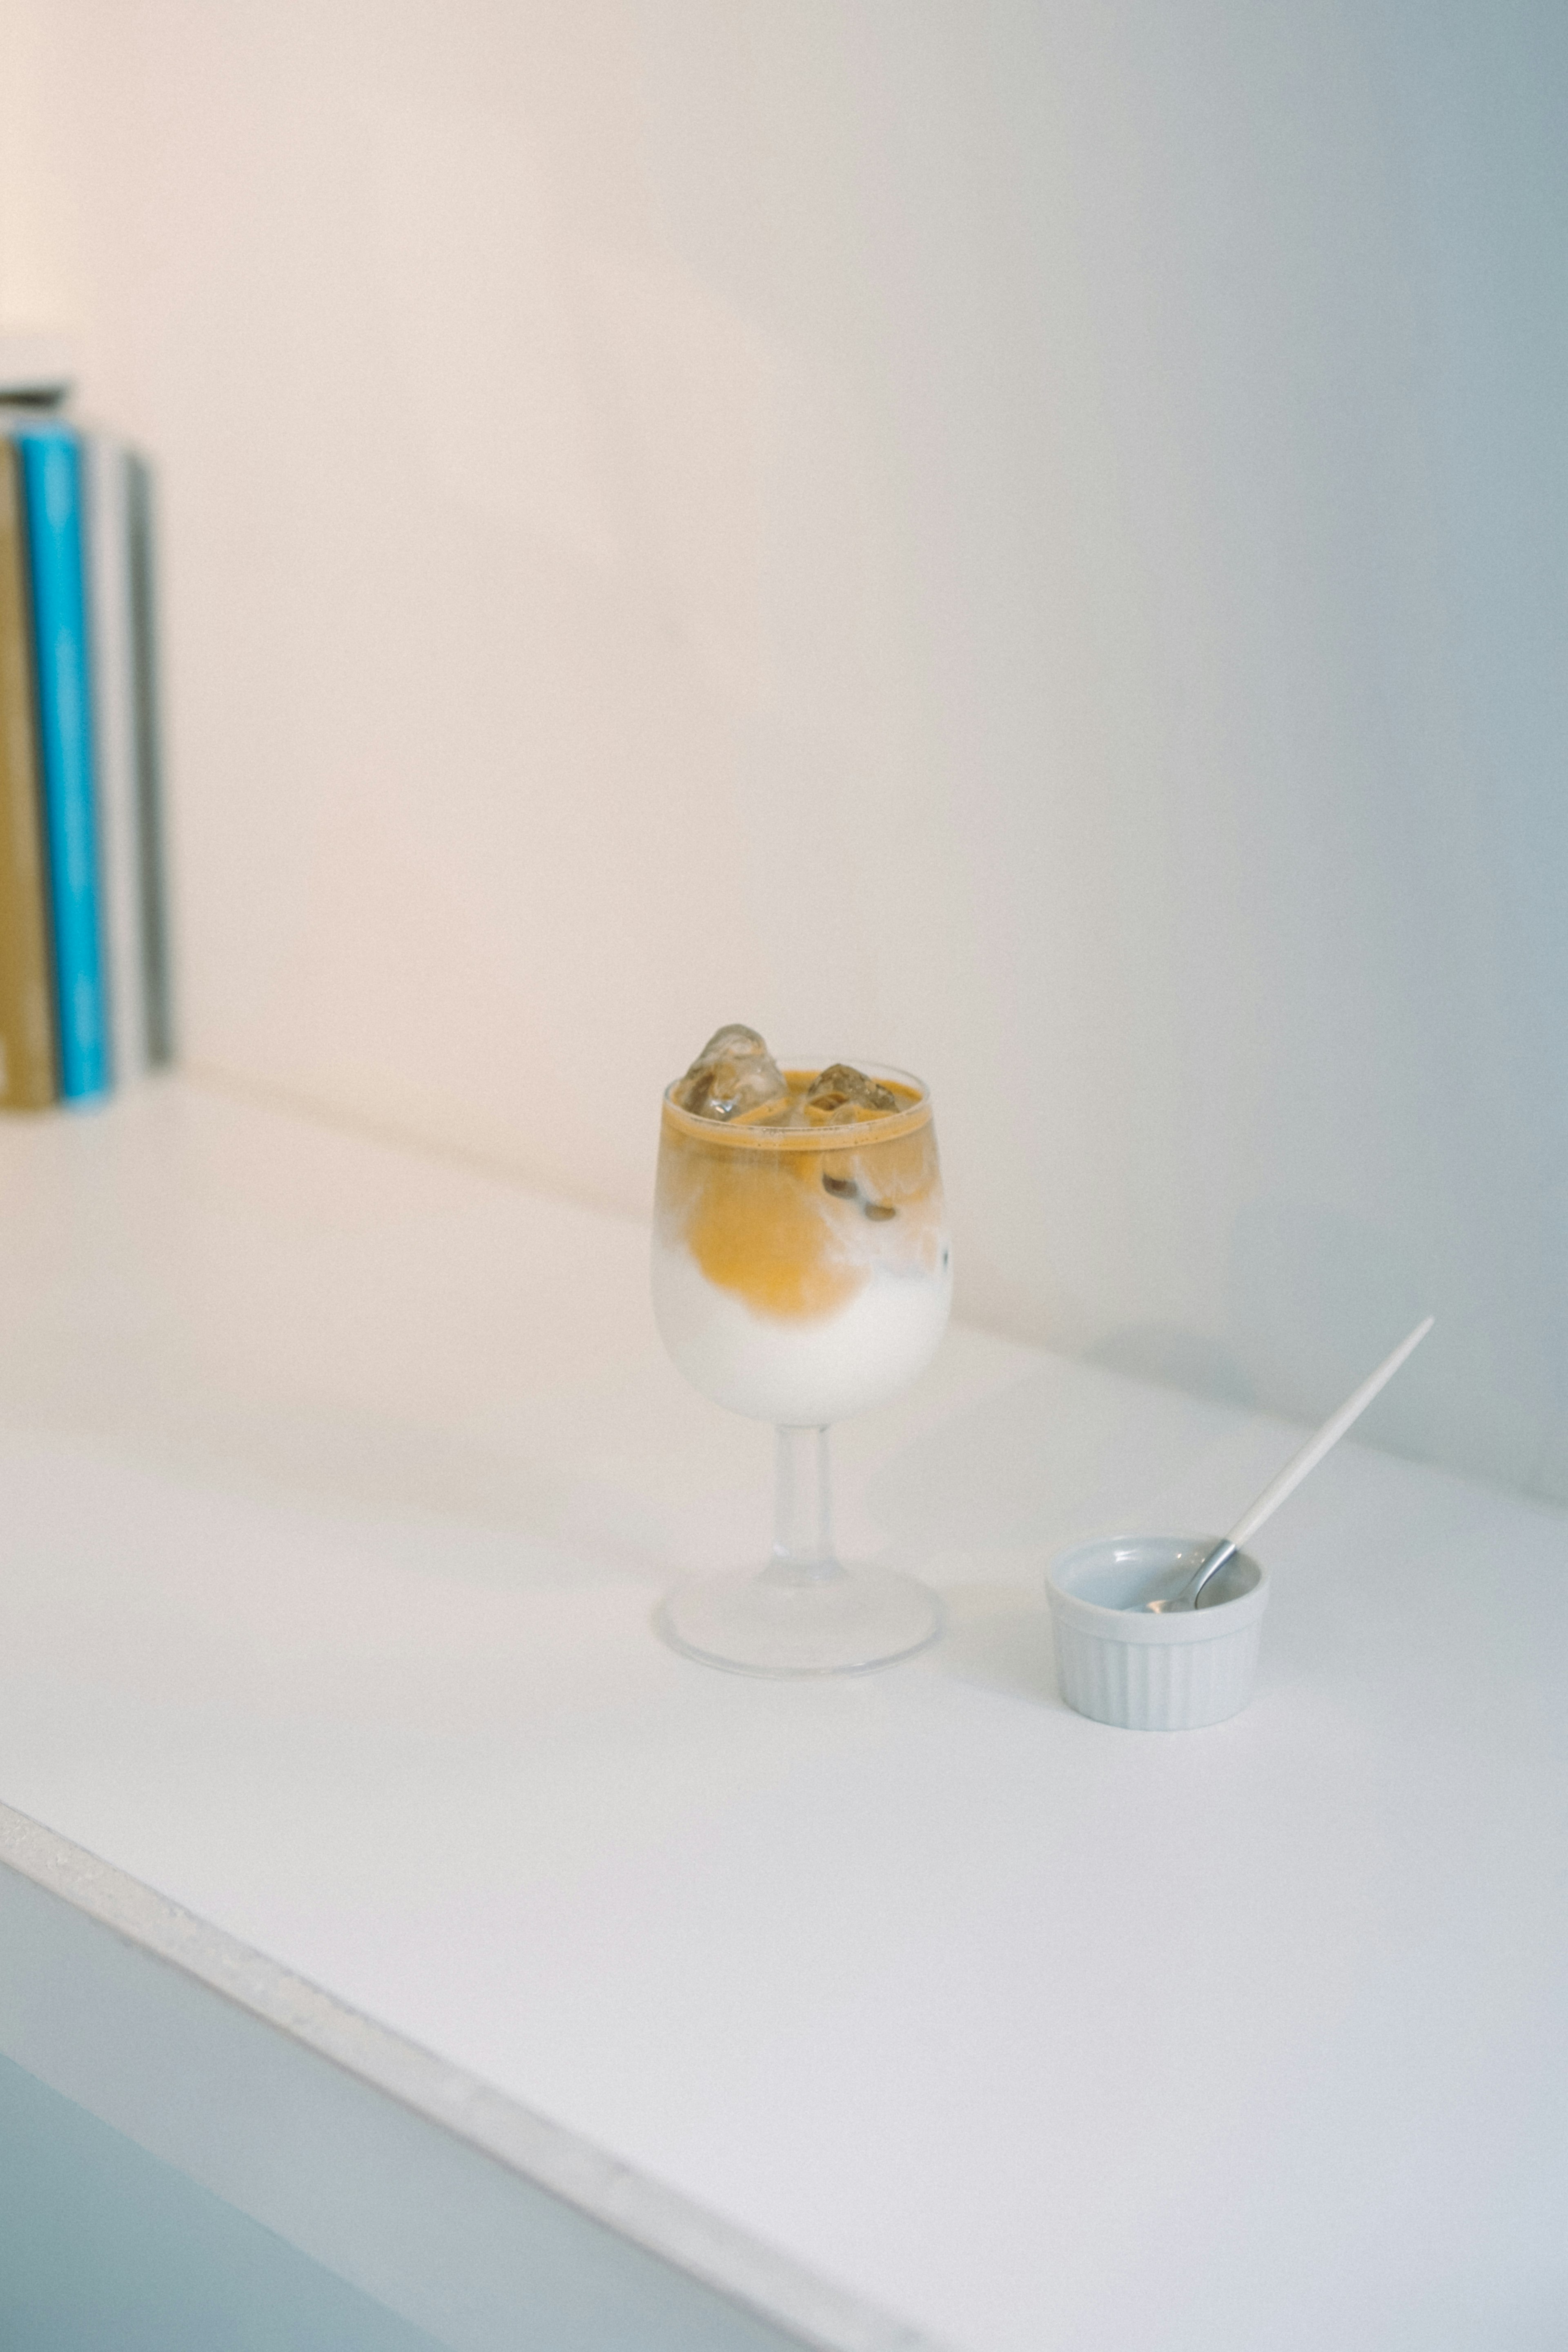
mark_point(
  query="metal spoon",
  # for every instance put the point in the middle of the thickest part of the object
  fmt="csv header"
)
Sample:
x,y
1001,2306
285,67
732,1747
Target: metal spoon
x,y
1290,1477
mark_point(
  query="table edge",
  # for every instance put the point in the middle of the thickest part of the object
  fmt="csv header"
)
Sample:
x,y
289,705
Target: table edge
x,y
661,2220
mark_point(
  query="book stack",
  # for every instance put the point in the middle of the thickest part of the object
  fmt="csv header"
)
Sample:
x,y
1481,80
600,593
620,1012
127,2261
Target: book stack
x,y
84,950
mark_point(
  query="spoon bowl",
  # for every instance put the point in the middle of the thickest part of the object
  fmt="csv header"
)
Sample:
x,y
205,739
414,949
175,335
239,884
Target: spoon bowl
x,y
1201,1591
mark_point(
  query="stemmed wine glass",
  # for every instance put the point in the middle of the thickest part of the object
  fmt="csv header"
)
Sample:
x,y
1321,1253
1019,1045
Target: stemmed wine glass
x,y
801,1272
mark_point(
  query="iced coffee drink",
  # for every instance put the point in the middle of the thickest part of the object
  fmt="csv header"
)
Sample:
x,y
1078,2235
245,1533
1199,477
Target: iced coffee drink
x,y
800,1254
801,1272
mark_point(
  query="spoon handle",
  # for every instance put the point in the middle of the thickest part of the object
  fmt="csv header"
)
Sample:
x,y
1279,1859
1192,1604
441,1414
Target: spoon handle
x,y
1333,1430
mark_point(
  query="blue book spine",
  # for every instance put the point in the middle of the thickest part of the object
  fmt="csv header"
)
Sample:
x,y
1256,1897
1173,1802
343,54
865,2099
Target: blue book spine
x,y
52,475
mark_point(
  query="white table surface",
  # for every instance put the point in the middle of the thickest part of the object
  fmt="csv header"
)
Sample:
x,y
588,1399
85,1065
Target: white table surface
x,y
340,1482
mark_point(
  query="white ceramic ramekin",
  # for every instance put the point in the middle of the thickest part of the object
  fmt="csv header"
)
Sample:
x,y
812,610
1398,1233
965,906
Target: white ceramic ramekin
x,y
1120,1665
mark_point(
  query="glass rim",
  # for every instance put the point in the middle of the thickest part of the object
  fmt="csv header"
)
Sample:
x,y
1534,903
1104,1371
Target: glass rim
x,y
886,1127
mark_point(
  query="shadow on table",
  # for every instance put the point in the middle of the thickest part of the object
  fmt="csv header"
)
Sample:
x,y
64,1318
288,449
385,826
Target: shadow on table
x,y
1061,1452
998,1637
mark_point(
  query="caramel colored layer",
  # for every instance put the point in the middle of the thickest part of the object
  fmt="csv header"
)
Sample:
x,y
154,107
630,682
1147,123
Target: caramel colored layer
x,y
797,1232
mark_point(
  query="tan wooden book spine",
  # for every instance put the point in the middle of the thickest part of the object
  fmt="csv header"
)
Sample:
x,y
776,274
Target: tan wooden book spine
x,y
28,1074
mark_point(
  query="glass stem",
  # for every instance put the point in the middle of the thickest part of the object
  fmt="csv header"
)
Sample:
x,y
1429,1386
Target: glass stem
x,y
803,1517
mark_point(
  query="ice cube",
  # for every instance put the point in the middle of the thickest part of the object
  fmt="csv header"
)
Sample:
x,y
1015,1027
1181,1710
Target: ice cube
x,y
734,1077
843,1096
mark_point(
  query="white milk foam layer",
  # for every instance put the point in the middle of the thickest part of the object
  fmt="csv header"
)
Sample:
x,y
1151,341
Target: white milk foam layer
x,y
802,1373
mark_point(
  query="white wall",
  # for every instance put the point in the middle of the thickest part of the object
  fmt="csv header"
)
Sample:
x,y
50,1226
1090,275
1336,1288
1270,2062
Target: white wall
x,y
1026,541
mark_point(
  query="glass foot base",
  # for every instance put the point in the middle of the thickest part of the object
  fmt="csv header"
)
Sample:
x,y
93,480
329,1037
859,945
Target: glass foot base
x,y
755,1624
